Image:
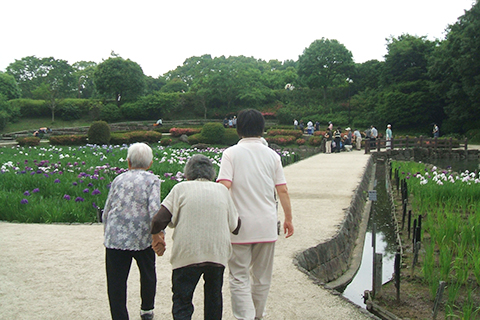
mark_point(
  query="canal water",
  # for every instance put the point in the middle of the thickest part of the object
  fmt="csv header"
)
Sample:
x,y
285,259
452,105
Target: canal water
x,y
381,216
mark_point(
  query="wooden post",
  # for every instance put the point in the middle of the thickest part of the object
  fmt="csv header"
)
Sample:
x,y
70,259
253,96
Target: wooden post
x,y
377,274
450,144
438,298
409,222
435,143
421,141
466,148
379,143
397,274
406,142
404,213
367,146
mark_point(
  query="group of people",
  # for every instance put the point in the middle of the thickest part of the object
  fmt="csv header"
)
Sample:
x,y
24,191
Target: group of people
x,y
230,122
232,221
40,132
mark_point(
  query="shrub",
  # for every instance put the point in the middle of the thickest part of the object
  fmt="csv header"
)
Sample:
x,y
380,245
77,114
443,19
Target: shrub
x,y
68,140
282,132
230,137
119,138
28,141
30,108
99,133
300,141
315,141
281,140
144,136
213,132
196,138
165,142
110,112
177,132
3,119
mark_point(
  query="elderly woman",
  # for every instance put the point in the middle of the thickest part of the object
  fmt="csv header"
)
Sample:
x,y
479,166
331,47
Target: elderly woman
x,y
133,200
203,215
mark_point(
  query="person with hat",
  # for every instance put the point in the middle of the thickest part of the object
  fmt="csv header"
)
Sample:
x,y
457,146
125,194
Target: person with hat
x,y
388,137
348,139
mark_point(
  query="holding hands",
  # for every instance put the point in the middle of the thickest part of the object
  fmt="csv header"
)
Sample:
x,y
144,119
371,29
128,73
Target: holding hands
x,y
158,243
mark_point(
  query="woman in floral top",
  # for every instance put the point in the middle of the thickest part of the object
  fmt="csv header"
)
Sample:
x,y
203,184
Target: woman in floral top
x,y
133,200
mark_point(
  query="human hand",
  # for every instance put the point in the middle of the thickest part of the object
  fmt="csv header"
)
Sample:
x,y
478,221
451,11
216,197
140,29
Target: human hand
x,y
158,243
288,229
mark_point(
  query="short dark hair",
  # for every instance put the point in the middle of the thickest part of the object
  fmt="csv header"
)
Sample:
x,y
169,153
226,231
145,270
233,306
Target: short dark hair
x,y
199,166
250,123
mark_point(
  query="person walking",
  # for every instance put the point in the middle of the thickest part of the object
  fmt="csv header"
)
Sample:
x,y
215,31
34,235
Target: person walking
x,y
295,124
436,131
388,137
133,199
373,136
254,174
358,139
203,215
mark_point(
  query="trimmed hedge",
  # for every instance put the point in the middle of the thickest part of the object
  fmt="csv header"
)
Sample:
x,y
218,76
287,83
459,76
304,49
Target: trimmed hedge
x,y
177,132
68,140
99,133
213,132
315,141
28,141
283,132
281,140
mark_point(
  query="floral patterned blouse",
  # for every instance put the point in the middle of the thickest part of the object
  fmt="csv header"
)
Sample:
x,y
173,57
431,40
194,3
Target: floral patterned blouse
x,y
133,200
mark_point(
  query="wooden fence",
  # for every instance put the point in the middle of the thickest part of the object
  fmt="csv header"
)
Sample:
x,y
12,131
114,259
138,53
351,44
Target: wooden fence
x,y
415,142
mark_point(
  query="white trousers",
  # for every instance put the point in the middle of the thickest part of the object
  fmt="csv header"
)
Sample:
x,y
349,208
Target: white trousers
x,y
250,268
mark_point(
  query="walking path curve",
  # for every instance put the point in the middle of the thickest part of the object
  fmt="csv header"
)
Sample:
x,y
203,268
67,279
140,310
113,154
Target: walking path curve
x,y
57,271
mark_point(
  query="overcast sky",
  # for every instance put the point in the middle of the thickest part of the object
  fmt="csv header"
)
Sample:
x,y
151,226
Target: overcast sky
x,y
159,35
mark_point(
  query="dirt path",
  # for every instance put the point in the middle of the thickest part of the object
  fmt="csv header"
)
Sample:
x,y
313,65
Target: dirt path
x,y
57,271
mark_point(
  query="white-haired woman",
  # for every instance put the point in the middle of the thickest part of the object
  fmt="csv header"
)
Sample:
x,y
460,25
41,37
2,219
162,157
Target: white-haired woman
x,y
203,215
133,200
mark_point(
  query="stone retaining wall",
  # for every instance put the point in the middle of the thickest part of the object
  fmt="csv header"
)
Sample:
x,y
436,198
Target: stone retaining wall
x,y
329,260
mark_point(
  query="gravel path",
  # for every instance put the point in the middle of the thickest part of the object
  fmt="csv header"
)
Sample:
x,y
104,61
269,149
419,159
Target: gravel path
x,y
57,271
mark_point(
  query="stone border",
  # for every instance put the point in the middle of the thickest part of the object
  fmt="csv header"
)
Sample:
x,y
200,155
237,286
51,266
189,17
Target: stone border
x,y
329,260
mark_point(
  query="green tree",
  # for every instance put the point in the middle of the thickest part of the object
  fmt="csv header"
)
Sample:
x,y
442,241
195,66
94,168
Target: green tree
x,y
83,71
120,79
28,73
455,71
325,63
9,87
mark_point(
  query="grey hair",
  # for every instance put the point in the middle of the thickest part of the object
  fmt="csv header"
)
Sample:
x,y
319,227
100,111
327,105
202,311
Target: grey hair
x,y
140,155
199,166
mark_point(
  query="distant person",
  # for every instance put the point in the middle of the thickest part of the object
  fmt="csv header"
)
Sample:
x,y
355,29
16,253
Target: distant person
x,y
310,127
348,139
330,125
328,140
133,200
302,126
158,123
203,215
373,136
234,121
317,126
225,122
295,124
254,174
337,136
436,131
388,137
358,139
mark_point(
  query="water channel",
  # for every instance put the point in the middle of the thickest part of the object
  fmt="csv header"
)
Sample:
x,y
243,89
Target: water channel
x,y
381,216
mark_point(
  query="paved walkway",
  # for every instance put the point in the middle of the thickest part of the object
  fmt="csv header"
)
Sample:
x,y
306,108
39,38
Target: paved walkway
x,y
57,271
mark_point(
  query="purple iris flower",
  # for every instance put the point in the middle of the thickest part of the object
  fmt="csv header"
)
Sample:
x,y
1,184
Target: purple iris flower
x,y
90,185
95,192
35,190
57,181
74,183
79,199
66,197
24,201
26,193
86,190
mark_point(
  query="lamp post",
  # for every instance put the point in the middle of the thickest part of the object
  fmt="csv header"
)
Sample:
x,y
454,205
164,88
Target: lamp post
x,y
349,81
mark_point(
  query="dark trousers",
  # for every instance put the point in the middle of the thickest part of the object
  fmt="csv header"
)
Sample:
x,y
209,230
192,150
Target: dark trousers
x,y
118,264
337,144
184,281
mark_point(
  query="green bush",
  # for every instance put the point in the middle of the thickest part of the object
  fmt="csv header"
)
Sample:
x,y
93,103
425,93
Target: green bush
x,y
213,132
4,117
117,138
28,141
30,108
230,137
315,141
68,140
110,112
281,140
282,132
165,142
196,138
99,133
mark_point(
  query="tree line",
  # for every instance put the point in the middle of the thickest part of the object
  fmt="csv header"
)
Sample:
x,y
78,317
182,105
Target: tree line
x,y
419,83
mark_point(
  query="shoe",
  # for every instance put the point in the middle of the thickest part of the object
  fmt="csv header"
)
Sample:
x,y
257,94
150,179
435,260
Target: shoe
x,y
146,315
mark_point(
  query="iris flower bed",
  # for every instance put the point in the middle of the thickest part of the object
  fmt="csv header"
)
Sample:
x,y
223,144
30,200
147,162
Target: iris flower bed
x,y
450,207
68,184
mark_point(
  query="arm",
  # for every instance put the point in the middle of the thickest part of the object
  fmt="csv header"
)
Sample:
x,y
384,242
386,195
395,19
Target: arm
x,y
226,183
284,197
159,223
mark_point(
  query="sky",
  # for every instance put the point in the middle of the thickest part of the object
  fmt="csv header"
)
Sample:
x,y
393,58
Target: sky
x,y
160,35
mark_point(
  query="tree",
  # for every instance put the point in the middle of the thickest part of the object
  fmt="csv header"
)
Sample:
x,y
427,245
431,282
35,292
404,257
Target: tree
x,y
120,79
28,73
325,63
83,71
455,71
9,87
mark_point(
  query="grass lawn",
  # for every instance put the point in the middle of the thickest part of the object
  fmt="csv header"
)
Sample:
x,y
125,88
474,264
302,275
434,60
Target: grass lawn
x,y
33,124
